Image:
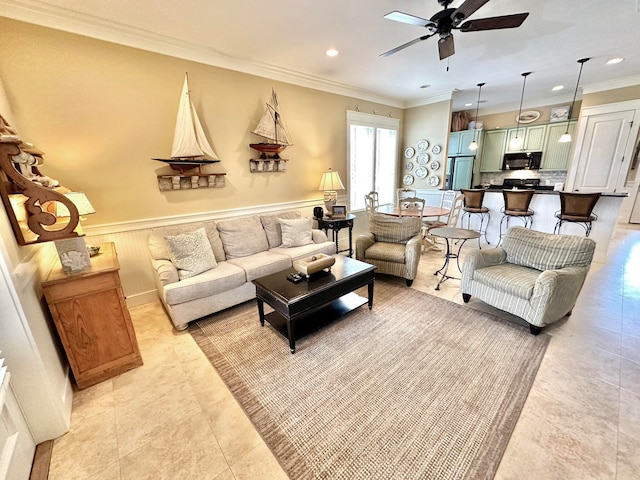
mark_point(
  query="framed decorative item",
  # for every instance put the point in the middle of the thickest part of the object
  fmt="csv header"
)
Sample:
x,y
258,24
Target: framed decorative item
x,y
559,114
407,179
409,152
421,172
338,211
436,149
409,166
528,117
422,158
423,145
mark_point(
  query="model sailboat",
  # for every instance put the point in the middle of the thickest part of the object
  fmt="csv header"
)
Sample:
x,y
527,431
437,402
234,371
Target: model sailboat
x,y
272,127
190,145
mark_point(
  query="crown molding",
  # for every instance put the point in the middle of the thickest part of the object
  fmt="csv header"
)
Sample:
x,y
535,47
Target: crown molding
x,y
436,97
58,18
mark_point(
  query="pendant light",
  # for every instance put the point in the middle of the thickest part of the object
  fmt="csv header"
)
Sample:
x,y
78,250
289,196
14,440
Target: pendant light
x,y
474,145
516,143
566,137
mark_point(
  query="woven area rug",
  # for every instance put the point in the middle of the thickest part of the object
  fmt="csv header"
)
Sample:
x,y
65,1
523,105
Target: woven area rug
x,y
417,388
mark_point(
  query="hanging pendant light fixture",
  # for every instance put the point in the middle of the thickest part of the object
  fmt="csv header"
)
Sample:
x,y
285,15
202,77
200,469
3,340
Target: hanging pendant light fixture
x,y
474,145
516,143
566,137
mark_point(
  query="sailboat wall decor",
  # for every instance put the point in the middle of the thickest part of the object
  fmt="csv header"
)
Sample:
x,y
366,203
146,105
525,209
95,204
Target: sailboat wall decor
x,y
273,129
190,148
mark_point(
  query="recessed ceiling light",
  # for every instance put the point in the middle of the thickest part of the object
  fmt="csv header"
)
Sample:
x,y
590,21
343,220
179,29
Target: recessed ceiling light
x,y
613,61
425,86
557,87
468,104
332,52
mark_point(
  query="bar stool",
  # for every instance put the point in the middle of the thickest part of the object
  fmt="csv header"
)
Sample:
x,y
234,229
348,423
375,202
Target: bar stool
x,y
577,208
516,205
473,206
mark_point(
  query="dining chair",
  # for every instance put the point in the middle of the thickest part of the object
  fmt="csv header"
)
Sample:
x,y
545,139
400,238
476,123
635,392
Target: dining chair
x,y
371,203
411,206
451,220
577,208
405,192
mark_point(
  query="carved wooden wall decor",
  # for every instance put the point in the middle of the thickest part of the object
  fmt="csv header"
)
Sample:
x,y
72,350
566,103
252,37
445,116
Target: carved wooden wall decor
x,y
13,182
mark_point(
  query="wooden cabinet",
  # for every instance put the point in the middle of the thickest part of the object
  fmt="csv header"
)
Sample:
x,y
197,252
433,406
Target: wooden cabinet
x,y
555,155
532,138
459,142
92,320
493,145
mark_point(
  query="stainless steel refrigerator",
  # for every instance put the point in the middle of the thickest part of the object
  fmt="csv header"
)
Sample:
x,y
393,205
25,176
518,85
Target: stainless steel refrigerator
x,y
459,172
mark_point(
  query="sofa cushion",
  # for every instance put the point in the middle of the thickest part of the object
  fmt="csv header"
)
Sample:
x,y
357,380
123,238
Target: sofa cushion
x,y
158,246
295,253
545,251
296,232
220,279
261,264
191,253
271,224
243,236
394,229
509,278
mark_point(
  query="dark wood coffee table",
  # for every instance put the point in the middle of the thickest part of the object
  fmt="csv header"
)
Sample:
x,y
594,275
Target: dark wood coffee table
x,y
301,308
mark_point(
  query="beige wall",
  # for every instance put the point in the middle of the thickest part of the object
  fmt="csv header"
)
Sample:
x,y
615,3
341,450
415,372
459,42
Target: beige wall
x,y
508,119
430,122
611,96
100,111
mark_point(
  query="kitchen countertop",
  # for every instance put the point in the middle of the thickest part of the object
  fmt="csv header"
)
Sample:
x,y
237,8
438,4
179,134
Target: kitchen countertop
x,y
498,189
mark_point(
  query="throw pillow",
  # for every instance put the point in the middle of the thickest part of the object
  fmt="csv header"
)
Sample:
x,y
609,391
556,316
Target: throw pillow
x,y
271,224
296,232
191,253
243,236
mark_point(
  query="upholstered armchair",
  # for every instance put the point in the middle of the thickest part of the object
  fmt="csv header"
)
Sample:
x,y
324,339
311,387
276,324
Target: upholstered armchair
x,y
393,244
536,276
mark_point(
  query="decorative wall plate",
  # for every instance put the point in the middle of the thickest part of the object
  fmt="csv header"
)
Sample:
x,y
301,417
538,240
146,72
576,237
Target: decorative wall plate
x,y
528,117
423,145
436,149
409,152
434,165
421,172
409,166
423,158
407,179
433,180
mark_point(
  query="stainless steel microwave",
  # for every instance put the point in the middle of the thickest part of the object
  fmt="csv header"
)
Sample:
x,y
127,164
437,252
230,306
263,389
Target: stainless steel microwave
x,y
522,161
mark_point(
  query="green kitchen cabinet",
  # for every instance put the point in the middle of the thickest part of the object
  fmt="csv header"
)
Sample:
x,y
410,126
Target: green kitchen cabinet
x,y
459,142
533,138
555,155
493,146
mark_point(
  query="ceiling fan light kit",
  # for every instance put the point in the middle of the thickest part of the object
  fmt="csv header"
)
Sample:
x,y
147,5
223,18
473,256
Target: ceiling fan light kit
x,y
566,136
474,145
448,19
516,143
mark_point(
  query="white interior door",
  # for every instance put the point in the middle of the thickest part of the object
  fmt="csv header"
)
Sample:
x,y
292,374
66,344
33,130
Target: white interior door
x,y
601,166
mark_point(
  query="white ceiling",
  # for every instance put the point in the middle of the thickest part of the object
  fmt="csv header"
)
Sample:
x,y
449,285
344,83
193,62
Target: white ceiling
x,y
287,39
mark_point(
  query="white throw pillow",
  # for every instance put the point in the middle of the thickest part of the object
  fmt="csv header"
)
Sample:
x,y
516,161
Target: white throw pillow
x,y
191,253
296,232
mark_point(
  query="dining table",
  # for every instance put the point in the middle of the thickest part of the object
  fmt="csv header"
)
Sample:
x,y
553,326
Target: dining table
x,y
429,212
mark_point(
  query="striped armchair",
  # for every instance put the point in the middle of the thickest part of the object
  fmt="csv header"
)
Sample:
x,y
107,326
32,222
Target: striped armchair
x,y
536,276
393,244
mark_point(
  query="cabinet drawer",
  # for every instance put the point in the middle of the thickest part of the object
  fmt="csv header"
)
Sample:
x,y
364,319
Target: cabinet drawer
x,y
83,286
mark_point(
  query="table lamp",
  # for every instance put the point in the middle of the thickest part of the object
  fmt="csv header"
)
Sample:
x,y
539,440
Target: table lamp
x,y
330,183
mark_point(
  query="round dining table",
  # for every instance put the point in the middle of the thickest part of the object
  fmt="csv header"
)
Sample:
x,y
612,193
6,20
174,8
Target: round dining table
x,y
393,209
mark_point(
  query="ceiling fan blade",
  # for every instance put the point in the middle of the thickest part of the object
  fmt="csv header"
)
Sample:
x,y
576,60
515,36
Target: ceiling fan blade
x,y
406,18
408,44
467,9
445,47
494,23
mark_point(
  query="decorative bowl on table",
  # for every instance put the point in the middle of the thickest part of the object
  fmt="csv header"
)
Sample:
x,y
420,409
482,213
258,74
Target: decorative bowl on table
x,y
310,265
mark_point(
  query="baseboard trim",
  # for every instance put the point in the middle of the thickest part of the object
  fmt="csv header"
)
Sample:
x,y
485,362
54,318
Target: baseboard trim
x,y
41,461
141,298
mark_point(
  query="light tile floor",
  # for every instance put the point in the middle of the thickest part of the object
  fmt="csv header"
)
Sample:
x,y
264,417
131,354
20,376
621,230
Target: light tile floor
x,y
173,418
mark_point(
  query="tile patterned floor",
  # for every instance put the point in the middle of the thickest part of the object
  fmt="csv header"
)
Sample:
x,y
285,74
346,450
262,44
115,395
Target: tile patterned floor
x,y
173,418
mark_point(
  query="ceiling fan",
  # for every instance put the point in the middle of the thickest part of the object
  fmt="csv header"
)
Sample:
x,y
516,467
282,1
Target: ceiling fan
x,y
443,22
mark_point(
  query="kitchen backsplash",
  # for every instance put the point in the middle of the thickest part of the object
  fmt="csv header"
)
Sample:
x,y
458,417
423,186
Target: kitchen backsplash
x,y
547,177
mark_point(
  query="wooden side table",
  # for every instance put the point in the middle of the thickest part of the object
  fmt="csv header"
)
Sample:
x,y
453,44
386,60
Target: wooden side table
x,y
92,320
335,225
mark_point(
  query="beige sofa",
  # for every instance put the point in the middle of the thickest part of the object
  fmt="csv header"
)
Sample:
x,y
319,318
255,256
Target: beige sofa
x,y
230,253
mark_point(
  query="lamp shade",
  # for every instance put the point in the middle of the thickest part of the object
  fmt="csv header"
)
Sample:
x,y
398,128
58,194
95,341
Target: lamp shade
x,y
331,181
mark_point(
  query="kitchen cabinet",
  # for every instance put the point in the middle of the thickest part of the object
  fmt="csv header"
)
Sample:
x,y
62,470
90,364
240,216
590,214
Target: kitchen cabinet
x,y
532,138
459,142
462,173
555,155
92,320
493,146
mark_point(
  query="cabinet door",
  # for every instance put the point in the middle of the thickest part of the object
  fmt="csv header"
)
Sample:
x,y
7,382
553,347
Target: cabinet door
x,y
493,145
555,155
463,173
466,138
532,138
454,144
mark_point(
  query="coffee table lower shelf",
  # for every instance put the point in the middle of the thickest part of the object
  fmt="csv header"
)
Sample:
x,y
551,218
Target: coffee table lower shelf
x,y
313,321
